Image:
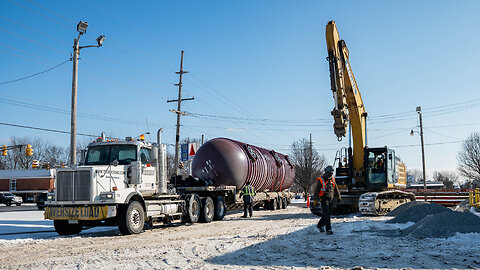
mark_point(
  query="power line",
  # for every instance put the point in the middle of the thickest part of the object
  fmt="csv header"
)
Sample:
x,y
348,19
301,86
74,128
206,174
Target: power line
x,y
33,75
65,111
47,129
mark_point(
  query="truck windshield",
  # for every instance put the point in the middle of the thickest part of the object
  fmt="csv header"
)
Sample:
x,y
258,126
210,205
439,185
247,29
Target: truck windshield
x,y
106,154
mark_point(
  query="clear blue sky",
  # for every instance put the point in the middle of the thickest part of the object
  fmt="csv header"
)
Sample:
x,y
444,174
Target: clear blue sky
x,y
248,61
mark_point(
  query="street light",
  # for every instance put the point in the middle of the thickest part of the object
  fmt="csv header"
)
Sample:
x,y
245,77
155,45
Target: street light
x,y
412,132
81,29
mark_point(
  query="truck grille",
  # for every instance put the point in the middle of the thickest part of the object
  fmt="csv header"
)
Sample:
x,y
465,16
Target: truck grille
x,y
73,186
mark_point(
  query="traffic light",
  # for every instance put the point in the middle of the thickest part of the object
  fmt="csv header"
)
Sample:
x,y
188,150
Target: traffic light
x,y
4,150
35,164
28,150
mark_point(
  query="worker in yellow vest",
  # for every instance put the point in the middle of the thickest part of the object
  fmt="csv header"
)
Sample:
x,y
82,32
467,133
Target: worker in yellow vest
x,y
327,192
248,192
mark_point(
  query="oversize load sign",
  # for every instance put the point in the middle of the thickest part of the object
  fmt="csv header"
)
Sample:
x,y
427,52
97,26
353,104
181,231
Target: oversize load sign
x,y
92,212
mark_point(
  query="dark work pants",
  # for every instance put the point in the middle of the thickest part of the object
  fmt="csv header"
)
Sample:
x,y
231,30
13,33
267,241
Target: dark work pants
x,y
247,206
327,208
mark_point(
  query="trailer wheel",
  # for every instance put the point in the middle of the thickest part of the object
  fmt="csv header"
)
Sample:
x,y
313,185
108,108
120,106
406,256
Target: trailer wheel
x,y
192,208
273,204
207,210
131,219
219,213
280,202
62,227
284,203
266,205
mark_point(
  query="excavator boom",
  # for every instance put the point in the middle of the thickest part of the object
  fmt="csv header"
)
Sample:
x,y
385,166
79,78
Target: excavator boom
x,y
349,106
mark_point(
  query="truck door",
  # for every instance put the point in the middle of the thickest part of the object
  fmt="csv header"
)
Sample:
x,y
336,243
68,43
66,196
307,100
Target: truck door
x,y
149,182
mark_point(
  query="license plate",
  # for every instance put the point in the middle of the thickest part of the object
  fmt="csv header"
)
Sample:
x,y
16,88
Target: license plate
x,y
95,212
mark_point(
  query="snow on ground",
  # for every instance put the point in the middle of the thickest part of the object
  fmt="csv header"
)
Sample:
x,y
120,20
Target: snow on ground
x,y
283,239
23,226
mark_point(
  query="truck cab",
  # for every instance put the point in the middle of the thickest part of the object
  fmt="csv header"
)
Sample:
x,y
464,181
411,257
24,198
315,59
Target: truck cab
x,y
112,175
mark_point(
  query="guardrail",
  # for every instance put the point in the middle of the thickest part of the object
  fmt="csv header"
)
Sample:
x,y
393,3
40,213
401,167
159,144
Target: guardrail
x,y
445,197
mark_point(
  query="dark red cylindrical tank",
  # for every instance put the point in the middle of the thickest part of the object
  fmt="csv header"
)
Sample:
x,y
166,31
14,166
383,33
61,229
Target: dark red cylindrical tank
x,y
232,163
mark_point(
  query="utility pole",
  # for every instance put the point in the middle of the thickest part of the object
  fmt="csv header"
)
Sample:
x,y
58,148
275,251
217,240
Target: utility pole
x,y
179,112
73,118
81,29
419,111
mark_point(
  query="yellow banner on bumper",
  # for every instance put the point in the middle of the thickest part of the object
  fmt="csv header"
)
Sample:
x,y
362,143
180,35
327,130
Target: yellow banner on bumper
x,y
92,212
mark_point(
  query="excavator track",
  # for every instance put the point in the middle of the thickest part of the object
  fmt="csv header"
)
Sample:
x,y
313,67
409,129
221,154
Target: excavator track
x,y
381,203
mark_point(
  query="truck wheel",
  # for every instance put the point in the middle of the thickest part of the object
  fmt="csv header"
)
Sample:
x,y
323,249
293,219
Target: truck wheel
x,y
8,203
131,219
18,204
207,210
280,203
284,203
219,213
273,204
266,205
192,208
62,227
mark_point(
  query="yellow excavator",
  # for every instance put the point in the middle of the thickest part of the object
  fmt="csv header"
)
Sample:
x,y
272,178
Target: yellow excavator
x,y
369,178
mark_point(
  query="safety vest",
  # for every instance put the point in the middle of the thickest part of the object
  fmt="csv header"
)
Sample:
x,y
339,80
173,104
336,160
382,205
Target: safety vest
x,y
324,185
248,191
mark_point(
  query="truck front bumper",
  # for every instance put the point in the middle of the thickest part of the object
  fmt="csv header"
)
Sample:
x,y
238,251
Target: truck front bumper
x,y
80,212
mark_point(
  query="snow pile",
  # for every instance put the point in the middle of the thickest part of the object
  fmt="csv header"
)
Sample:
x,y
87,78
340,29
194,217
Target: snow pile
x,y
414,212
444,224
434,221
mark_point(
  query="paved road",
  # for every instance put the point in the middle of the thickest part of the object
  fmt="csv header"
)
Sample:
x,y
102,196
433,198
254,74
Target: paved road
x,y
23,207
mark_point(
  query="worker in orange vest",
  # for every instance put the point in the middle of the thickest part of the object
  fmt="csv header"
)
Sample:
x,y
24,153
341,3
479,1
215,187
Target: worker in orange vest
x,y
327,192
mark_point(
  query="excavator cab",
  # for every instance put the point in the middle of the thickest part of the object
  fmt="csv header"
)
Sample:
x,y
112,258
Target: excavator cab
x,y
380,166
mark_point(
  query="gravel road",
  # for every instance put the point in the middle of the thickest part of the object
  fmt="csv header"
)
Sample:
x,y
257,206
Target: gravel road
x,y
282,239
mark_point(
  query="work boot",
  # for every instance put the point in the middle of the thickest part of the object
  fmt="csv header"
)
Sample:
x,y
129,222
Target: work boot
x,y
320,228
329,232
244,216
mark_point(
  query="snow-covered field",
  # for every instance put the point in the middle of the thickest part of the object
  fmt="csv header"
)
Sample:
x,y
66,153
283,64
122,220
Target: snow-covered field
x,y
283,239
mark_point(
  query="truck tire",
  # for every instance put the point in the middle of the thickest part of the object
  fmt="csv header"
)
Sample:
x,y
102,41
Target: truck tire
x,y
266,205
131,219
280,202
62,227
284,203
192,208
219,213
7,203
273,204
18,204
207,210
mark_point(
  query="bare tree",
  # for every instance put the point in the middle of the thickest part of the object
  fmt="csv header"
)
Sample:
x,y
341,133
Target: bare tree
x,y
42,151
448,178
469,157
308,164
55,156
16,158
417,174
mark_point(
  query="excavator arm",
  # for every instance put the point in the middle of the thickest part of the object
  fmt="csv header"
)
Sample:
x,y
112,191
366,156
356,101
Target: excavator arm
x,y
349,106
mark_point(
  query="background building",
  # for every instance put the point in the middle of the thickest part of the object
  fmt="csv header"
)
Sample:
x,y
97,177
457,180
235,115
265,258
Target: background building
x,y
27,183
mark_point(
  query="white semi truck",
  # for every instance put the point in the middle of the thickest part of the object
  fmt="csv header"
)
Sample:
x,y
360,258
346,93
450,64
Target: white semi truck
x,y
124,184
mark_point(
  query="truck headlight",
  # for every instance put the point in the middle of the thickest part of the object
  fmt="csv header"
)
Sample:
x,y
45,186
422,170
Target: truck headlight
x,y
50,197
107,195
